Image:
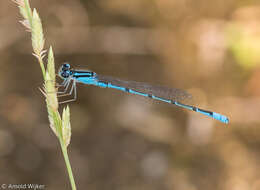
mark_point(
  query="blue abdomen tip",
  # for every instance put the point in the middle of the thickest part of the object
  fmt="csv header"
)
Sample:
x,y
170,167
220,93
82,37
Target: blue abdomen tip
x,y
221,118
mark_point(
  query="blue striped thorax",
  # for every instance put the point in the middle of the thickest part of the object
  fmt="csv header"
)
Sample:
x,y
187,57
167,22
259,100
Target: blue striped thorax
x,y
65,72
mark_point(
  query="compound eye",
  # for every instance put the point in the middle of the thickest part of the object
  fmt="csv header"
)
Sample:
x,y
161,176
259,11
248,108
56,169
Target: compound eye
x,y
65,74
66,66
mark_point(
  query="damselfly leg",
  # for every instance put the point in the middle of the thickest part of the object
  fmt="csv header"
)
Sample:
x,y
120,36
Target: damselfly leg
x,y
66,85
73,88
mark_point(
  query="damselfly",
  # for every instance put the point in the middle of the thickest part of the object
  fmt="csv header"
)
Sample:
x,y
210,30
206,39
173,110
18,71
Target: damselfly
x,y
164,94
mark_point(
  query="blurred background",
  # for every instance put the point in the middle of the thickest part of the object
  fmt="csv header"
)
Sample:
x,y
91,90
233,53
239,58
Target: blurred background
x,y
126,142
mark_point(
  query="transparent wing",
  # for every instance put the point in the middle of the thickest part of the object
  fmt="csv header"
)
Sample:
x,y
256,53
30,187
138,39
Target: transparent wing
x,y
159,91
